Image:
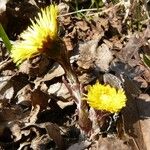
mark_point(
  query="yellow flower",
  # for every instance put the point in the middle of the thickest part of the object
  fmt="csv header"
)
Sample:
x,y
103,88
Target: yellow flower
x,y
106,98
39,37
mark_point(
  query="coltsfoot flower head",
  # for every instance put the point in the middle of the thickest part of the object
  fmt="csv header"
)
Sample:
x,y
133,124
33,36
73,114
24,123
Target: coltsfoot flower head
x,y
106,98
39,37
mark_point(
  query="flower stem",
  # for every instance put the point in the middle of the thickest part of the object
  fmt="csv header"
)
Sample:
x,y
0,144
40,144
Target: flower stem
x,y
71,76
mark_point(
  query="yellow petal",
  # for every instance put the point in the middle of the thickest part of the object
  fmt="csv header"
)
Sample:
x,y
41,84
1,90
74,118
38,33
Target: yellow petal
x,y
38,37
104,97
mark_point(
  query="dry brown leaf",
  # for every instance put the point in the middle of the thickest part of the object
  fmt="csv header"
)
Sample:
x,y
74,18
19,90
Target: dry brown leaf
x,y
40,142
111,143
82,25
16,131
101,24
63,105
6,64
143,105
63,8
6,87
80,146
35,66
24,95
115,23
86,78
54,133
91,55
84,121
103,57
131,117
3,5
32,118
141,82
145,73
68,43
39,98
22,134
60,90
9,113
131,48
55,71
113,80
3,16
87,53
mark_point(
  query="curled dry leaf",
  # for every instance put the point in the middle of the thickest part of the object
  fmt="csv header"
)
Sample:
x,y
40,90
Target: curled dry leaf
x,y
112,80
131,48
9,112
39,98
55,71
101,61
141,82
91,55
23,135
36,66
54,133
63,8
24,95
84,121
32,118
60,90
86,78
80,146
3,5
63,105
112,143
6,87
82,25
40,142
87,54
16,131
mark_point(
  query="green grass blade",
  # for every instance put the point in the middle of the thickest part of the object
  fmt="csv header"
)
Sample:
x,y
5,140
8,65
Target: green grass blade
x,y
5,38
146,59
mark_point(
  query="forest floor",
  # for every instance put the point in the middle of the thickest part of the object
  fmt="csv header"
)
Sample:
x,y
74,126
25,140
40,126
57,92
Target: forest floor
x,y
109,44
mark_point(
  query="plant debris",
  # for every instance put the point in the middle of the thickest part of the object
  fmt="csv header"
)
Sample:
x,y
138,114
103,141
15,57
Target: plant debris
x,y
40,105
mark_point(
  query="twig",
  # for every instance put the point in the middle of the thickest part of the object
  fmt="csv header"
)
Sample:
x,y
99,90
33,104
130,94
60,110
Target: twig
x,y
78,11
106,10
93,9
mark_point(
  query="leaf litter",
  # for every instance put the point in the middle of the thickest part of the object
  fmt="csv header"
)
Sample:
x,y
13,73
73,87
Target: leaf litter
x,y
36,108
